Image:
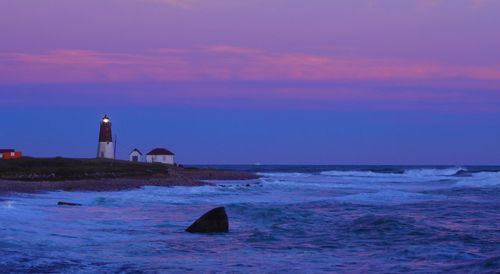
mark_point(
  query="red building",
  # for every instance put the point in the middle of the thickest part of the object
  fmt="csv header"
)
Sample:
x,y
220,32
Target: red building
x,y
6,154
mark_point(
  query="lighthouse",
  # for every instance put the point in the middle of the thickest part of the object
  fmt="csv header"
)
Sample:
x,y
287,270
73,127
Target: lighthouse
x,y
105,148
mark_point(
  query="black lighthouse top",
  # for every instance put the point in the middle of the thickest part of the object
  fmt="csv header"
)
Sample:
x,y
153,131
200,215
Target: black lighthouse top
x,y
105,131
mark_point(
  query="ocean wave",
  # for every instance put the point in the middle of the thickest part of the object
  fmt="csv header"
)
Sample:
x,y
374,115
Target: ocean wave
x,y
428,172
283,174
426,178
356,173
488,265
373,224
413,172
8,204
388,197
481,179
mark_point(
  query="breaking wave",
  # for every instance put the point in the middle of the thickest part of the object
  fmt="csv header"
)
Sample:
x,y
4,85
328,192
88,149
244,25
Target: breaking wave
x,y
429,172
481,179
455,176
415,173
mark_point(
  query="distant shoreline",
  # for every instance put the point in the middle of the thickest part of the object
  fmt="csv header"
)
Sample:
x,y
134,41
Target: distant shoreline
x,y
31,175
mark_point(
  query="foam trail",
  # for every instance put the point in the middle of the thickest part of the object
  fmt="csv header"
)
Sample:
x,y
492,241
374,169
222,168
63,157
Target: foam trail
x,y
429,172
481,179
414,173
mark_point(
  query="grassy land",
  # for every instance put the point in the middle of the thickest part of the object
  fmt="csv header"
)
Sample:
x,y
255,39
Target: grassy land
x,y
56,169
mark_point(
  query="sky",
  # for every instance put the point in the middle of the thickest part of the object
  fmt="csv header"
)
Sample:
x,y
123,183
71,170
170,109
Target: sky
x,y
255,81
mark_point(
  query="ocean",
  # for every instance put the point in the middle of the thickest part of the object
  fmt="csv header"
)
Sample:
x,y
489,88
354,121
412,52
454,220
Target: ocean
x,y
295,219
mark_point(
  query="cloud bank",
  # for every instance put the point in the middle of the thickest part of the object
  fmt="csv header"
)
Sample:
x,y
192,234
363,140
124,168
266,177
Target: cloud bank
x,y
222,63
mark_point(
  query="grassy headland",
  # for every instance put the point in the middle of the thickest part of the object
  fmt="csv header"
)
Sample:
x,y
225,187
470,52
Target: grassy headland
x,y
36,174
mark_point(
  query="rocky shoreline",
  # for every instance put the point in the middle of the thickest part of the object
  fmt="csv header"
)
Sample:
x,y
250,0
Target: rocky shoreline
x,y
69,174
176,177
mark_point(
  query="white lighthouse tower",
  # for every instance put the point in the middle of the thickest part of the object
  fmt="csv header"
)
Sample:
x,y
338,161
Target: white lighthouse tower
x,y
106,147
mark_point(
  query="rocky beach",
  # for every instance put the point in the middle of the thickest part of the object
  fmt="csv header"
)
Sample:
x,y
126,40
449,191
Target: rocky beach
x,y
51,174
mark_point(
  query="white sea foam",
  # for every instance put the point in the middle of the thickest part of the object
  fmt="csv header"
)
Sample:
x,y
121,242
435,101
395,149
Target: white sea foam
x,y
413,173
312,183
284,174
480,179
355,173
363,179
8,204
410,180
433,172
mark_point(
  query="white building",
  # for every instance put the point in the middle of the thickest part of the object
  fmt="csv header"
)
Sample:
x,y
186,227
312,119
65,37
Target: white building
x,y
160,155
135,155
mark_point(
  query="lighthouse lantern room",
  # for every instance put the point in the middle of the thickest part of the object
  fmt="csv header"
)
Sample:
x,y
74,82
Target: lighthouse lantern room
x,y
106,147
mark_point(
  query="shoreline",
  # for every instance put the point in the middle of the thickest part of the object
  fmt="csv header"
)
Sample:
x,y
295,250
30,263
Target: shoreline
x,y
190,178
31,175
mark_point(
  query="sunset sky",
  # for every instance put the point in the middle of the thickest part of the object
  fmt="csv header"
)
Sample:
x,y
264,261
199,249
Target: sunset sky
x,y
255,81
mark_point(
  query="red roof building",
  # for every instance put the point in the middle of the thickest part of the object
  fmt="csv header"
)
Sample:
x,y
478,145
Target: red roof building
x,y
7,154
160,151
160,155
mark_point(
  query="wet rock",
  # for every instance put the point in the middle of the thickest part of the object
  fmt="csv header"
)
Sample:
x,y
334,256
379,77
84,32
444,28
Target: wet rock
x,y
211,222
61,203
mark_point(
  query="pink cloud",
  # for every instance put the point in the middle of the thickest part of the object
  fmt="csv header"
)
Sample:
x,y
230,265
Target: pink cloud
x,y
226,49
221,62
310,67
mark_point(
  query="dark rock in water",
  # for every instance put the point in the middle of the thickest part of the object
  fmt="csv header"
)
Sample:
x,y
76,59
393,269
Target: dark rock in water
x,y
68,204
211,222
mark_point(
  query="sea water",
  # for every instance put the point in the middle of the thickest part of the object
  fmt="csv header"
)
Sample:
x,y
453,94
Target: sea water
x,y
295,219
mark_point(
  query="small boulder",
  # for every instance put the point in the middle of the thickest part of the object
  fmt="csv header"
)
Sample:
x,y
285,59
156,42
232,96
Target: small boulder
x,y
68,204
68,189
214,221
